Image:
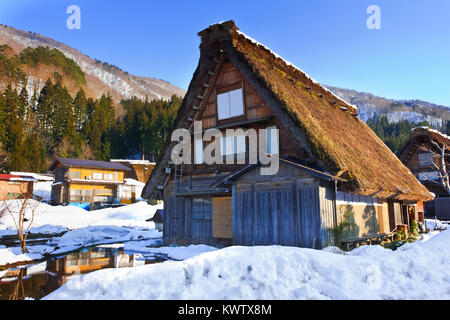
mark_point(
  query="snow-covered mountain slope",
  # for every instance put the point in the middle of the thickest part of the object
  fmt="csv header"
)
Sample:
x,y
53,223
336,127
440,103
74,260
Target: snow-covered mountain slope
x,y
100,77
371,106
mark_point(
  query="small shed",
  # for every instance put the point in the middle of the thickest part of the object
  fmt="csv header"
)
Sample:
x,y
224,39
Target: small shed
x,y
158,219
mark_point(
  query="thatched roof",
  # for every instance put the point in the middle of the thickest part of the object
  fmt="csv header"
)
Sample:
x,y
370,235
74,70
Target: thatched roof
x,y
420,136
326,126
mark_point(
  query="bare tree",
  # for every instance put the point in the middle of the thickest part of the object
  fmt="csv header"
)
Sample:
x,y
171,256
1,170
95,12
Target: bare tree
x,y
442,171
18,287
22,212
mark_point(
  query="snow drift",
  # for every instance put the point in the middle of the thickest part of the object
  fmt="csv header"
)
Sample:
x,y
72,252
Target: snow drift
x,y
414,271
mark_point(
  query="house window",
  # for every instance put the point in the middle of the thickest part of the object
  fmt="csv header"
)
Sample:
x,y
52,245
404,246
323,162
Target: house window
x,y
108,176
75,174
232,145
87,195
198,151
98,176
116,176
272,140
230,104
75,195
425,159
201,208
103,195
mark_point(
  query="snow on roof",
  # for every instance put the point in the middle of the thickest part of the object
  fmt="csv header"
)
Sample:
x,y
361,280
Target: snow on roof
x,y
36,176
12,177
295,67
133,182
431,130
133,161
96,181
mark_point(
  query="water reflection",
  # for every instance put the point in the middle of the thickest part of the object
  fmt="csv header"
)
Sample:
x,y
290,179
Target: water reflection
x,y
38,280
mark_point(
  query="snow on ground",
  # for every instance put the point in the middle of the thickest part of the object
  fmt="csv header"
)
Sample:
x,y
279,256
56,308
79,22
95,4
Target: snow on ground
x,y
71,217
418,270
177,253
43,190
93,235
83,228
434,223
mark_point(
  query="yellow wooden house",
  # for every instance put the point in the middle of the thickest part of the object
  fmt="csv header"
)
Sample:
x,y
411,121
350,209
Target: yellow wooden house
x,y
81,182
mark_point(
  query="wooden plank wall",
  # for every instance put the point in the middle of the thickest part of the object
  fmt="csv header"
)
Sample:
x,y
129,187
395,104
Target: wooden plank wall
x,y
327,213
292,209
222,219
284,217
230,79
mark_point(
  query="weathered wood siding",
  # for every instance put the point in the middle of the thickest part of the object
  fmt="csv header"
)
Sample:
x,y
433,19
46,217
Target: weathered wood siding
x,y
290,209
327,198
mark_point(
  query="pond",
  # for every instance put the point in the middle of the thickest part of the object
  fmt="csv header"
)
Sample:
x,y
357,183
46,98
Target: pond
x,y
39,279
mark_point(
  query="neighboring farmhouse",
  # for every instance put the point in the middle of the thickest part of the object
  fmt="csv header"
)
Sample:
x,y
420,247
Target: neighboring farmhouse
x,y
423,156
13,186
332,167
82,182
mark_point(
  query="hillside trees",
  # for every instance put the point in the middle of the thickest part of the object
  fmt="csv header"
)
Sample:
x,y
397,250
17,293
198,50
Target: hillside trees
x,y
394,134
33,129
144,127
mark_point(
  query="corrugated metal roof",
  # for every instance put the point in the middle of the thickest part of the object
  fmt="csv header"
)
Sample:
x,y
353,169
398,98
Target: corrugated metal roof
x,y
70,162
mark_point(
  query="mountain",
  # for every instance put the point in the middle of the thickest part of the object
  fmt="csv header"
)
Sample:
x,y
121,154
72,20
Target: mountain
x,y
371,106
100,77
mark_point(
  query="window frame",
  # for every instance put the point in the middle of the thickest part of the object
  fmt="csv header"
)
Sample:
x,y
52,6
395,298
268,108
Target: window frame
x,y
206,215
227,90
199,147
234,144
267,130
78,172
94,174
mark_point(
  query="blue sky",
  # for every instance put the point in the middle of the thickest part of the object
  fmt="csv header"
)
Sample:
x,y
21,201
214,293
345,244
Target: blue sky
x,y
408,58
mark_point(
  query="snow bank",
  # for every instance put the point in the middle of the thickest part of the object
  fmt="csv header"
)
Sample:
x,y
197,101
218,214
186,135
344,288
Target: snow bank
x,y
13,255
77,239
43,190
434,223
177,253
70,217
93,235
417,270
109,225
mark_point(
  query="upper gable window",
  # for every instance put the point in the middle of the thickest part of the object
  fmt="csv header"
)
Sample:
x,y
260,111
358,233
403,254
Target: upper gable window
x,y
230,104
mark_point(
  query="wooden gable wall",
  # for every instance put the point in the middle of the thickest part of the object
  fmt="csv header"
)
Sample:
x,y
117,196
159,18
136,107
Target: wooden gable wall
x,y
255,108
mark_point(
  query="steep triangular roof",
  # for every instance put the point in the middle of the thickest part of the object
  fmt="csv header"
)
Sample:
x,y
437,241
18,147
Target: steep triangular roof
x,y
421,135
326,126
